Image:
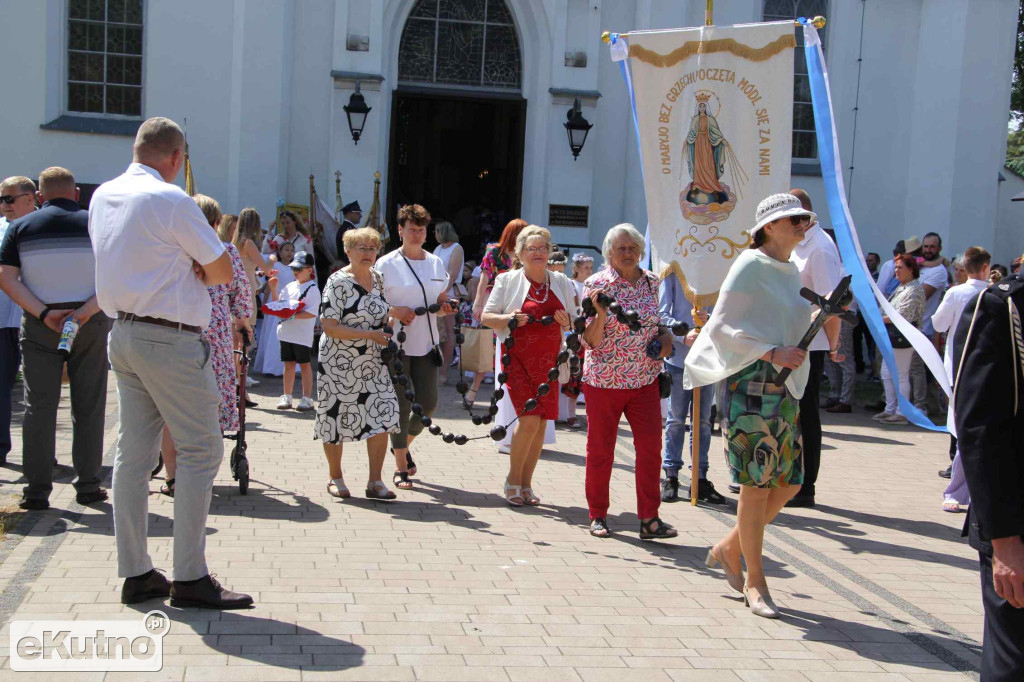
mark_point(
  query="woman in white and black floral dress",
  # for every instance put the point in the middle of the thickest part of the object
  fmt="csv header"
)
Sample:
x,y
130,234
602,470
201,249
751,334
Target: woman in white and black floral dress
x,y
355,397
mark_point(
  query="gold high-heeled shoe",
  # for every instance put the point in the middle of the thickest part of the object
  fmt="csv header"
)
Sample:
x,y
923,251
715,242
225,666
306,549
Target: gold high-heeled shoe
x,y
735,580
763,607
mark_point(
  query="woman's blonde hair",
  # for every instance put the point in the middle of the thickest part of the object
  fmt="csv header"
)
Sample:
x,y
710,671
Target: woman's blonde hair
x,y
525,234
363,234
446,232
226,227
248,228
209,207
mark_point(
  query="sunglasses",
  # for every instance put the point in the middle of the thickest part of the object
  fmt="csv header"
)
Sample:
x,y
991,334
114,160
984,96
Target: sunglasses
x,y
796,220
10,199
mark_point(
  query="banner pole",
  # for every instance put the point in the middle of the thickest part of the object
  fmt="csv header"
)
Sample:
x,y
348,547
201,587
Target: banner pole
x,y
709,12
695,424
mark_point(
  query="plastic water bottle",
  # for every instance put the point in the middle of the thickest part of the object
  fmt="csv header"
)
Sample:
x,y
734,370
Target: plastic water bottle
x,y
67,337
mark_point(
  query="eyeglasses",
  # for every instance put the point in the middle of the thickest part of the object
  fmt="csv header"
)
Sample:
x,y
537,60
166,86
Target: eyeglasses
x,y
626,250
364,249
537,249
10,199
795,220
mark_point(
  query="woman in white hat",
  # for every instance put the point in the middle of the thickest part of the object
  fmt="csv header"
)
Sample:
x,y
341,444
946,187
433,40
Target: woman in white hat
x,y
750,338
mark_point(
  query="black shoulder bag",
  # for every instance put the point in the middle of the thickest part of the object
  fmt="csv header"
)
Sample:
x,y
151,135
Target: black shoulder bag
x,y
435,352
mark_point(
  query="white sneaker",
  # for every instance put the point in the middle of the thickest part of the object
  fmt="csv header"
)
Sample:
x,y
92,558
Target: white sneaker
x,y
251,383
504,449
305,405
880,416
285,403
894,419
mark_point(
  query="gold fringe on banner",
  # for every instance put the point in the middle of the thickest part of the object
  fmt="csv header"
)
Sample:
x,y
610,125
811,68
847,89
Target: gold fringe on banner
x,y
697,300
688,49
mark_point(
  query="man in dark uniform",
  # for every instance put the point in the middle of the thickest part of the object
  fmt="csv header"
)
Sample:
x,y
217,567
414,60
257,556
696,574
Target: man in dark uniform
x,y
989,413
353,214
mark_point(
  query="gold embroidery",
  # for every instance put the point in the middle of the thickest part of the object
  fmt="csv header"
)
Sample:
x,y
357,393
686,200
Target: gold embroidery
x,y
688,49
697,300
709,243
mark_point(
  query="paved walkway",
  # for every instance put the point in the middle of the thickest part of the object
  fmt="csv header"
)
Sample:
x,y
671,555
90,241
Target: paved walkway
x,y
448,583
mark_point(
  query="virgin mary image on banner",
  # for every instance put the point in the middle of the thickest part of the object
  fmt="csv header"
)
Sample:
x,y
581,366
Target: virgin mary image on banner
x,y
705,154
707,198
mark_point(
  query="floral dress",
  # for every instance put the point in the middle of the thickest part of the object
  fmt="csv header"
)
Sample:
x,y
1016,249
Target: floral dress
x,y
232,300
355,396
494,263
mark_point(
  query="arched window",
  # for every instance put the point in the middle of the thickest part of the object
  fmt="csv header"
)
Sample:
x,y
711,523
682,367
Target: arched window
x,y
805,143
460,42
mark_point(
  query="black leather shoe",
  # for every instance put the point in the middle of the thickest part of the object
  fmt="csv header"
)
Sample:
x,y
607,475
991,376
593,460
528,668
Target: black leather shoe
x,y
33,504
152,585
670,489
831,402
801,501
92,498
706,492
947,472
207,593
251,403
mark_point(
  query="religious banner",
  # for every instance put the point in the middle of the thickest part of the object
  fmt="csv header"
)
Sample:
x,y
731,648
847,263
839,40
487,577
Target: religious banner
x,y
713,108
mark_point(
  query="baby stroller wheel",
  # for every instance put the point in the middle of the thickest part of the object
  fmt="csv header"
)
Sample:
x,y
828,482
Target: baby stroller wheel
x,y
159,466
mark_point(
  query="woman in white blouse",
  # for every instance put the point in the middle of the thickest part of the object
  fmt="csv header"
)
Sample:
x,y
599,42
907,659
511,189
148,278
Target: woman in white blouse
x,y
452,257
414,278
530,290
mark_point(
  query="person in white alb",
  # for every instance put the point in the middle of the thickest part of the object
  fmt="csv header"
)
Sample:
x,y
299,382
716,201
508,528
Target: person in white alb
x,y
155,256
977,262
817,259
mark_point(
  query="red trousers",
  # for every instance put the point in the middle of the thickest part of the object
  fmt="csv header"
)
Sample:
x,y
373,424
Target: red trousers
x,y
642,407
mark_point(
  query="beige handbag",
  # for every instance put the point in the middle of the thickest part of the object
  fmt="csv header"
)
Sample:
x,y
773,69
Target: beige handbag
x,y
477,351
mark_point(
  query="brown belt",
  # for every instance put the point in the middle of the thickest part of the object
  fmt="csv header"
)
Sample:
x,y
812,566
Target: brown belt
x,y
132,317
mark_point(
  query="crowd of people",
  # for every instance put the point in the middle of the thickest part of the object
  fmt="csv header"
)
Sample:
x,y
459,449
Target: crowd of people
x,y
166,288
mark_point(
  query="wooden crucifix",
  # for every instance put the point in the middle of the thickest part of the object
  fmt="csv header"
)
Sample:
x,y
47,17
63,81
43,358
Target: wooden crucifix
x,y
827,307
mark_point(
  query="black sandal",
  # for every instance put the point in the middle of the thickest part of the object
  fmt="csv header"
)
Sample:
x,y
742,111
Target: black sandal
x,y
167,488
410,465
401,480
662,532
599,527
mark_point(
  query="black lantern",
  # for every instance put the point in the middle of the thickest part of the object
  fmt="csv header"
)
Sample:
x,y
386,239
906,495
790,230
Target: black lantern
x,y
577,128
356,111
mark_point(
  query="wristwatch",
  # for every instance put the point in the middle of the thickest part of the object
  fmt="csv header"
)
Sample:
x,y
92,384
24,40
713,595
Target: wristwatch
x,y
44,313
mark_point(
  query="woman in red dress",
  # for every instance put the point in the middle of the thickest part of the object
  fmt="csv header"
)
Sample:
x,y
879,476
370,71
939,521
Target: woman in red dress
x,y
528,293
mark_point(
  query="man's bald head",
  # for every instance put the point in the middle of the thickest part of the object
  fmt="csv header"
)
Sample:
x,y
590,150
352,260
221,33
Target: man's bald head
x,y
160,144
804,197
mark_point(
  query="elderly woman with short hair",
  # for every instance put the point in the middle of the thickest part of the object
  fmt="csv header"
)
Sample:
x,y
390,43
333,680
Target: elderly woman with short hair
x,y
528,292
356,400
620,376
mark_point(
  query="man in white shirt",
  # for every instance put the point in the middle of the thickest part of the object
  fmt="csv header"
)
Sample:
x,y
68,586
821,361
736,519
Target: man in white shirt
x,y
17,199
977,263
934,280
155,257
817,259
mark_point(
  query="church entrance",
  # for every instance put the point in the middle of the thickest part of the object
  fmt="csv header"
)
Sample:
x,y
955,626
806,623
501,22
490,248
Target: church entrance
x,y
461,158
458,119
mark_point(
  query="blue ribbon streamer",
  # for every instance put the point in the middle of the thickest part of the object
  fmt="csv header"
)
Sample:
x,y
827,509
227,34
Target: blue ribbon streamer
x,y
854,265
624,68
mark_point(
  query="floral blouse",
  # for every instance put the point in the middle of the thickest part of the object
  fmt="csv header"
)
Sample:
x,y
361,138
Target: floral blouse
x,y
621,361
908,300
494,263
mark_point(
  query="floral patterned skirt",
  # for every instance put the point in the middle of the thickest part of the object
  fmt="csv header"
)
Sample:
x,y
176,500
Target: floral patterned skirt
x,y
764,447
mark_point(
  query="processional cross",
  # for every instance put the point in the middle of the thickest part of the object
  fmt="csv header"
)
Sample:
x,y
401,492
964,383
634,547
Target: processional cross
x,y
827,308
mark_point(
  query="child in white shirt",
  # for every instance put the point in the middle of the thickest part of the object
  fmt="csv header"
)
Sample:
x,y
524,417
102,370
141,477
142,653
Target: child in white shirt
x,y
295,333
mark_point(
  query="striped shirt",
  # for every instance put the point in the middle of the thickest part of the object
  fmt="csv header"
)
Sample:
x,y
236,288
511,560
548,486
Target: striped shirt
x,y
51,247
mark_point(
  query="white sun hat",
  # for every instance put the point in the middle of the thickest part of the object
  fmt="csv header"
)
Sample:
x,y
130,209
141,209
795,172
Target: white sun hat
x,y
775,206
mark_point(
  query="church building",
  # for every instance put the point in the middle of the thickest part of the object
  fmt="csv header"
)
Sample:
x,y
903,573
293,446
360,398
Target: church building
x,y
468,102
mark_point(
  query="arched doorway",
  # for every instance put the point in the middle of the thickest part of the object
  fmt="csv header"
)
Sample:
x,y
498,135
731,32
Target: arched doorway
x,y
458,117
